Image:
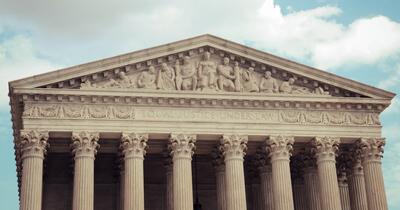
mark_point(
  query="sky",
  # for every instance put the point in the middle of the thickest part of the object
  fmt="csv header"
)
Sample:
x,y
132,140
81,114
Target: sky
x,y
359,40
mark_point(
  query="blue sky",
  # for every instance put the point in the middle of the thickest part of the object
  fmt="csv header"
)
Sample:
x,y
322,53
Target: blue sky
x,y
355,39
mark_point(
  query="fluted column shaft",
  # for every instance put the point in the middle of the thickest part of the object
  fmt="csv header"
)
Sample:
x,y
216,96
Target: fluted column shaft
x,y
325,153
133,147
299,196
344,192
371,152
279,149
182,147
33,147
84,147
311,182
356,182
219,167
234,147
267,196
169,192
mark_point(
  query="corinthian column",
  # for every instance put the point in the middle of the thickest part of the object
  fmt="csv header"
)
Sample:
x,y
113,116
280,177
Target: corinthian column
x,y
358,195
371,153
234,147
325,149
84,148
33,147
219,167
279,149
133,147
182,146
265,172
311,182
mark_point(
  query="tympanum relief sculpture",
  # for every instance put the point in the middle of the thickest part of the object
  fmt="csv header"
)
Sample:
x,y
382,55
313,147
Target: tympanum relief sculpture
x,y
205,74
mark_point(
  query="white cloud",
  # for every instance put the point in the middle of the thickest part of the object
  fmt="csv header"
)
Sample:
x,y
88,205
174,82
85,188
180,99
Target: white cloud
x,y
18,59
365,41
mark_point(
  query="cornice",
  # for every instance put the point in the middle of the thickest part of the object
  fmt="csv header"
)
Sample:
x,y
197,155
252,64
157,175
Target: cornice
x,y
200,99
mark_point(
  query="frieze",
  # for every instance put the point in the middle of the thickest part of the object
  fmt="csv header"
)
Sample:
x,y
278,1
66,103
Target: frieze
x,y
125,112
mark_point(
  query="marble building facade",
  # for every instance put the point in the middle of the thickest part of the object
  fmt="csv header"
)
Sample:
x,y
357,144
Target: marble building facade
x,y
266,133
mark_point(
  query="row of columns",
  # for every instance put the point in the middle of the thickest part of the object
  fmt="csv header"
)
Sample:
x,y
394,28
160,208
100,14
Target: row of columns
x,y
365,189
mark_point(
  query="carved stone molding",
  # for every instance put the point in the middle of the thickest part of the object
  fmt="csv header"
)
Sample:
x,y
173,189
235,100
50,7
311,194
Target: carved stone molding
x,y
33,143
325,148
182,145
124,112
85,144
233,146
133,145
371,149
279,147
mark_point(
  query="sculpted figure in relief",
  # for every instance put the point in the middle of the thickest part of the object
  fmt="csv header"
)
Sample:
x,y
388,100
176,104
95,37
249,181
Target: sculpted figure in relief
x,y
166,78
226,76
147,79
250,81
269,84
207,71
237,72
288,87
123,82
186,78
87,84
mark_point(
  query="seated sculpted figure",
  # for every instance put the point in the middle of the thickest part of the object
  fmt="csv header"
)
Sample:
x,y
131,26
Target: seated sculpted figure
x,y
147,79
268,84
207,71
166,78
186,78
226,76
288,87
250,80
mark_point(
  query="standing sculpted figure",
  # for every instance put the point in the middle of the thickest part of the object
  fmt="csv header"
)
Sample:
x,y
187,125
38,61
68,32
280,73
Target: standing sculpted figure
x,y
186,78
147,79
166,78
207,73
268,84
250,82
237,72
226,76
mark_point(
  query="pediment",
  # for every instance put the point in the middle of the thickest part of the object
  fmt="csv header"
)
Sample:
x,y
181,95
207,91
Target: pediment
x,y
206,64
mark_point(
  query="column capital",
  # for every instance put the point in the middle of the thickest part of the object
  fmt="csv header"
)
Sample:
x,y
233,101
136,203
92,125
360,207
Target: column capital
x,y
33,143
342,178
233,146
325,148
182,145
280,147
371,149
263,161
133,145
218,160
84,144
310,163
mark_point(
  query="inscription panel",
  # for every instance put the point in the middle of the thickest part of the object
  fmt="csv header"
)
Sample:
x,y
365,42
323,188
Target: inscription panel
x,y
181,114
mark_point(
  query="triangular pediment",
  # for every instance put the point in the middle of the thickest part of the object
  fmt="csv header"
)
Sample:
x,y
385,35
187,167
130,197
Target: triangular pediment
x,y
203,63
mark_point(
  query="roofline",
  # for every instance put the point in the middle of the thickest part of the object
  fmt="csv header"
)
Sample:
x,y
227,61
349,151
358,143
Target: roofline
x,y
165,48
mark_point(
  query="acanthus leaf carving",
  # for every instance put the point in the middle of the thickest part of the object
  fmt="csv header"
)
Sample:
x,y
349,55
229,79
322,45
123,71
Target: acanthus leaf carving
x,y
85,144
234,146
325,148
371,149
182,145
279,147
133,145
33,143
